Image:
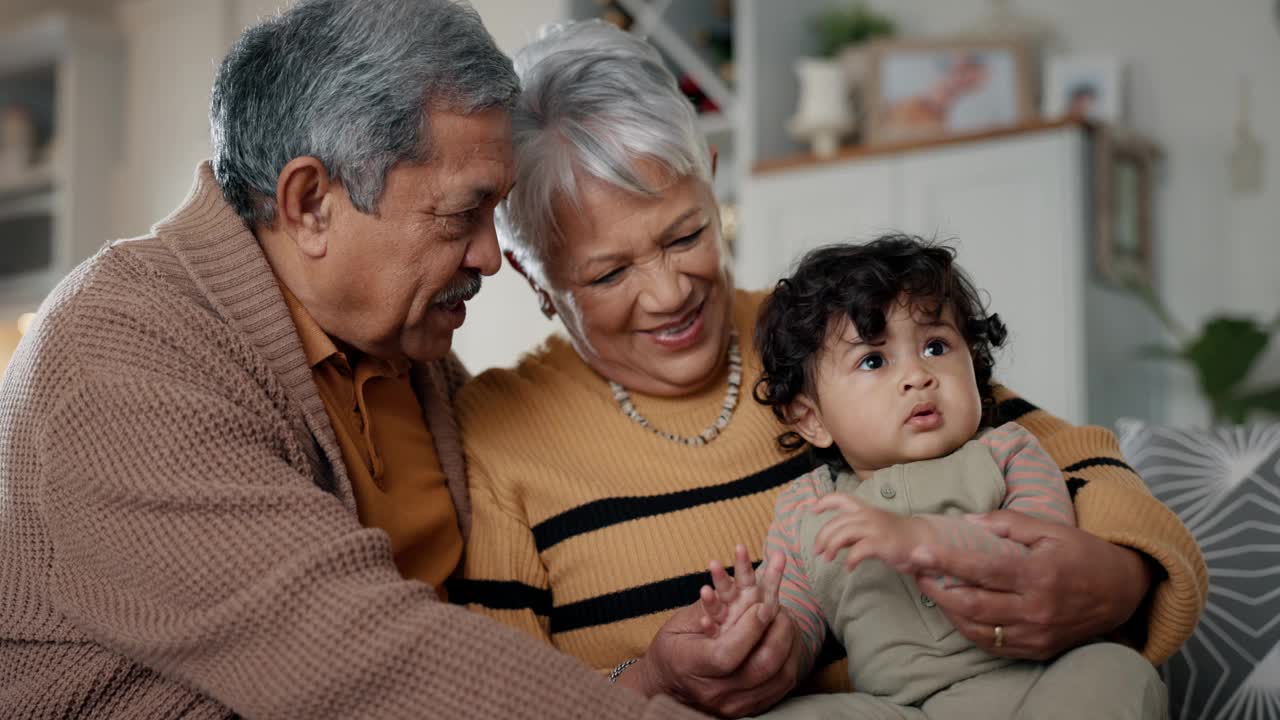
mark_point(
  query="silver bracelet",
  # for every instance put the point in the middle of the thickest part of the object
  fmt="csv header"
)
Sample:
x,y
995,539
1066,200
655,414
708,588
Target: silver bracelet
x,y
613,676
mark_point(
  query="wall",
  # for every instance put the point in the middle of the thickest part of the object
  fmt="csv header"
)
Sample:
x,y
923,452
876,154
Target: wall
x,y
1215,250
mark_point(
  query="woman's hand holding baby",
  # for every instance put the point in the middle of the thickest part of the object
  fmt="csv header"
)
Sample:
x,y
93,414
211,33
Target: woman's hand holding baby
x,y
741,666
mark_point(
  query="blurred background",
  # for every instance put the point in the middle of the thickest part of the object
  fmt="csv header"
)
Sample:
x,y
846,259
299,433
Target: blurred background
x,y
1109,171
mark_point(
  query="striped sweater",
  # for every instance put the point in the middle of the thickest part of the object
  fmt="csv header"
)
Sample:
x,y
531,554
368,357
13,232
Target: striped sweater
x,y
588,530
1033,485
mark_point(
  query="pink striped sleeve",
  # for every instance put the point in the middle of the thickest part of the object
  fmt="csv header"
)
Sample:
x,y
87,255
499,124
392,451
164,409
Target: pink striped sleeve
x,y
796,594
1034,483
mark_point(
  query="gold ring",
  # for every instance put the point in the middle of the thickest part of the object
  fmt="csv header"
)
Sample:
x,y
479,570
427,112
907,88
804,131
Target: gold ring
x,y
999,632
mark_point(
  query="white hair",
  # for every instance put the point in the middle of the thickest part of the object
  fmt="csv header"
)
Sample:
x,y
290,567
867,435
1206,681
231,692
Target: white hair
x,y
595,101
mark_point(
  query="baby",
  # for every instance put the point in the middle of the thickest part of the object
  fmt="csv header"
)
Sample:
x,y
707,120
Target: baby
x,y
880,357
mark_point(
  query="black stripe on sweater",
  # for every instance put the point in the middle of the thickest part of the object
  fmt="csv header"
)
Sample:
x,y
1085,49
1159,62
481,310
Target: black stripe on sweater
x,y
500,595
656,597
1098,462
611,511
1012,409
659,596
1073,486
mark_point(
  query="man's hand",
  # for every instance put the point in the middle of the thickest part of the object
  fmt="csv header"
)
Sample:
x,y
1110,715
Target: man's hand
x,y
868,532
1069,589
745,669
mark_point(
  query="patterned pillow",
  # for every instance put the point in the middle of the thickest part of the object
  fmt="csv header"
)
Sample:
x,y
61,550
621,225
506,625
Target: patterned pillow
x,y
1225,485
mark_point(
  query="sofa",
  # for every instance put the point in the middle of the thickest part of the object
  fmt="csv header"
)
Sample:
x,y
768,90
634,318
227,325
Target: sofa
x,y
1225,485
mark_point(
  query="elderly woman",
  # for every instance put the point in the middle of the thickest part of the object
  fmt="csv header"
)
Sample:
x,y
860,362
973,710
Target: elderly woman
x,y
606,469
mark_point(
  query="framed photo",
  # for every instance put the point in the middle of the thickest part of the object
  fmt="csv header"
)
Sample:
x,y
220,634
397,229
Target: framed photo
x,y
1123,187
1085,87
920,90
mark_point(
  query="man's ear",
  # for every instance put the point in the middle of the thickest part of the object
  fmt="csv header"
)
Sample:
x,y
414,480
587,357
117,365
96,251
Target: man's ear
x,y
806,419
544,300
305,202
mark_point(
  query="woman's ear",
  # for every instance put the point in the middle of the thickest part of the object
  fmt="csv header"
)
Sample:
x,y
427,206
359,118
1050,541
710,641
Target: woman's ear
x,y
544,300
805,417
544,303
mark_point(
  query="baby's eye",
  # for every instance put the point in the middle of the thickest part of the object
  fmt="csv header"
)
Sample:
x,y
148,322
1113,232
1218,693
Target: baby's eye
x,y
934,348
874,361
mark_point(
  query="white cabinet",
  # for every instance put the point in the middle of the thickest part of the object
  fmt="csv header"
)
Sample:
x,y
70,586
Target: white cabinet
x,y
785,214
1016,207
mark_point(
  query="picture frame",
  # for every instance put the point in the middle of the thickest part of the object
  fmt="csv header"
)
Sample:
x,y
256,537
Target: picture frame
x,y
1085,87
1124,182
920,90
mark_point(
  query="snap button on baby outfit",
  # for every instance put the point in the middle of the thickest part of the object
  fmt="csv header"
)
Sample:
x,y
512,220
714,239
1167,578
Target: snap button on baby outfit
x,y
887,492
926,600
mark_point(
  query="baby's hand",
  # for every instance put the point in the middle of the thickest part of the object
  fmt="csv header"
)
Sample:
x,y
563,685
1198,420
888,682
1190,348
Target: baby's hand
x,y
868,532
732,597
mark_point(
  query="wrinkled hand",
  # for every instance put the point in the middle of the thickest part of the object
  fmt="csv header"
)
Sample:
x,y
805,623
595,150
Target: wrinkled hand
x,y
868,532
727,599
1069,589
745,669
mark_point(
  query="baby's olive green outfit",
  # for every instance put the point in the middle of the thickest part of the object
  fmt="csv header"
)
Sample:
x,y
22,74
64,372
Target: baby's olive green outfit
x,y
908,661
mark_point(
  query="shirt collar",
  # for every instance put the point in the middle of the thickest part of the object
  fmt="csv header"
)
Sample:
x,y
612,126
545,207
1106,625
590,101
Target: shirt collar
x,y
318,346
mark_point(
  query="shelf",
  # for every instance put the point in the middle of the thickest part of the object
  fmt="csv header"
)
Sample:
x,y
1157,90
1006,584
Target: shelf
x,y
25,291
33,45
37,181
859,152
650,25
66,69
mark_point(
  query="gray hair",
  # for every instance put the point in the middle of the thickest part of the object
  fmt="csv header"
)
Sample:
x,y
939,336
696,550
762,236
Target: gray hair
x,y
595,101
351,83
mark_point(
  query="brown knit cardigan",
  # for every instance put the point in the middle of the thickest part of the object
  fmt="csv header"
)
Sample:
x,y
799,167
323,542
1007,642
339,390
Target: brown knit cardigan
x,y
178,536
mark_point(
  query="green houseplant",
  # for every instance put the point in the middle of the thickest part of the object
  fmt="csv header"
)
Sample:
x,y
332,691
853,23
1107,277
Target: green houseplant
x,y
1221,353
838,28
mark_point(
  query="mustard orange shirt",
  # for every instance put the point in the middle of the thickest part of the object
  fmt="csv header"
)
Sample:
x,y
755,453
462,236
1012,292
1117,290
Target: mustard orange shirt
x,y
388,450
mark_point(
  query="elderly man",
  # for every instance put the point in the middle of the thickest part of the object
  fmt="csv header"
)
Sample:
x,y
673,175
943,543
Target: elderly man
x,y
205,426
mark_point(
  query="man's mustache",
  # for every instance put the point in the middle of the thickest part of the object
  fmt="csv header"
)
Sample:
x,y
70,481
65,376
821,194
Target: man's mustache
x,y
461,289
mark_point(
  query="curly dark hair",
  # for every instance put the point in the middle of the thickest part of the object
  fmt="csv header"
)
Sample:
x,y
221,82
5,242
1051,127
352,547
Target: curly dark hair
x,y
860,282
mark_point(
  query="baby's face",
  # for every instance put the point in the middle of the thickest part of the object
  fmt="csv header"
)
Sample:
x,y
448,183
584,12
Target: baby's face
x,y
910,396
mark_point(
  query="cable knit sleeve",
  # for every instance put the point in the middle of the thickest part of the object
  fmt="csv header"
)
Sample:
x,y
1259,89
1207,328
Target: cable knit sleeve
x,y
189,535
1113,503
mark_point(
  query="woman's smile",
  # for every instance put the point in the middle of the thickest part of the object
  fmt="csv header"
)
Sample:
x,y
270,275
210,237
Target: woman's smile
x,y
683,332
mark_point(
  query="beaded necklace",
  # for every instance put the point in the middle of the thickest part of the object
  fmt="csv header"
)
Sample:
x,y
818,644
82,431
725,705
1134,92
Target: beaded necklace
x,y
713,430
